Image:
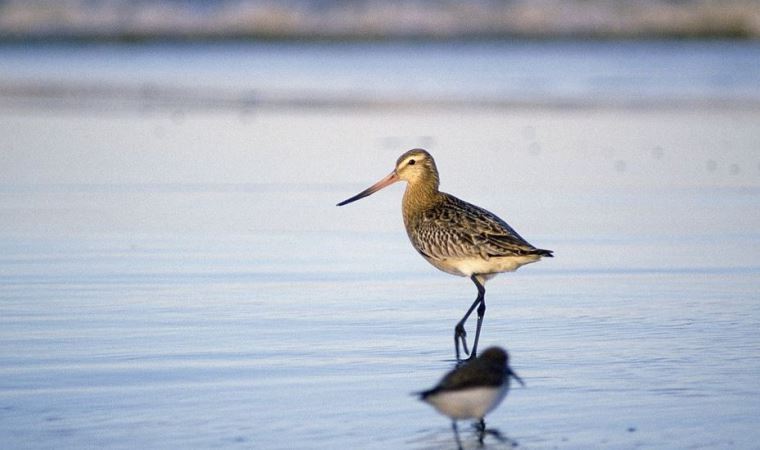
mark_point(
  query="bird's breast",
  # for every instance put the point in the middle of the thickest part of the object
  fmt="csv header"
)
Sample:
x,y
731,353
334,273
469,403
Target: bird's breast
x,y
472,403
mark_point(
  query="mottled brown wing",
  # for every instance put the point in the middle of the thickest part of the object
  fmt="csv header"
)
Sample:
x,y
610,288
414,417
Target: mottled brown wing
x,y
456,229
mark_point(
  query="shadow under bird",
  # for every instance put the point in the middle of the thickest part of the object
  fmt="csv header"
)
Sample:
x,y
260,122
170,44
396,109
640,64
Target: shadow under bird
x,y
473,389
454,236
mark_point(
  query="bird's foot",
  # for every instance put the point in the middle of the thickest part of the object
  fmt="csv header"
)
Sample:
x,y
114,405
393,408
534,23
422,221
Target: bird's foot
x,y
480,428
460,335
499,436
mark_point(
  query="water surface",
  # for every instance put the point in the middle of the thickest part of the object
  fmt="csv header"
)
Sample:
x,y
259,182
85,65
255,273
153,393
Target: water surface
x,y
181,278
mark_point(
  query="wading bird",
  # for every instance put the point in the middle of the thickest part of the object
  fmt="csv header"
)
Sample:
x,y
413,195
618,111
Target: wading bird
x,y
472,390
454,236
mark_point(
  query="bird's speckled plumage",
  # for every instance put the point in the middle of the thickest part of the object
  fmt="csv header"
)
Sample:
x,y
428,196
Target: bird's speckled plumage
x,y
453,235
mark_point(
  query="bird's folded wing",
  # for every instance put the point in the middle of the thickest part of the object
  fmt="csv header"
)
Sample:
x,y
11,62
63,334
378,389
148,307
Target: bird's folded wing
x,y
461,230
471,374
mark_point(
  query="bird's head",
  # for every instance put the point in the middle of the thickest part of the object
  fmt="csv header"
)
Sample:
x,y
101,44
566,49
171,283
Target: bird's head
x,y
415,167
499,357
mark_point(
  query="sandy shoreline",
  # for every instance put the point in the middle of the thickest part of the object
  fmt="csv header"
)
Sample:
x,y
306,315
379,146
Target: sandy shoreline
x,y
131,21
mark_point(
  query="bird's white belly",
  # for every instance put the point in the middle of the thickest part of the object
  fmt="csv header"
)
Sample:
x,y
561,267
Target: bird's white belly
x,y
472,403
468,266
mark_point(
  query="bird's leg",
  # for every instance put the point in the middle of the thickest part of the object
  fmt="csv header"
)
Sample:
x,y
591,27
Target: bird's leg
x,y
459,333
481,427
456,434
481,313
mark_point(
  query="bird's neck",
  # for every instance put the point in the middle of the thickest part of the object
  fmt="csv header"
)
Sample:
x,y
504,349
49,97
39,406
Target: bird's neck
x,y
420,195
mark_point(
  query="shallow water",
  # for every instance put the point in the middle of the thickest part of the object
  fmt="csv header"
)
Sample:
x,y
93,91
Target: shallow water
x,y
184,280
522,72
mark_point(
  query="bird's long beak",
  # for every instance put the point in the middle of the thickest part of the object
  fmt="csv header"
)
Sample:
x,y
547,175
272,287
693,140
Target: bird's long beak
x,y
511,373
390,179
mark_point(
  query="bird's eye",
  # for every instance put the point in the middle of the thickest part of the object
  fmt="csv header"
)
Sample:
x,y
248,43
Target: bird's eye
x,y
411,162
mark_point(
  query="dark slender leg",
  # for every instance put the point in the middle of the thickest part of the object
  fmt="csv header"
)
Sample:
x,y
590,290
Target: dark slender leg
x,y
456,434
481,313
481,427
459,333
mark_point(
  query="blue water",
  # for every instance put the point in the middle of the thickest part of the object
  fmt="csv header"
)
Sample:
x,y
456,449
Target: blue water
x,y
182,278
530,71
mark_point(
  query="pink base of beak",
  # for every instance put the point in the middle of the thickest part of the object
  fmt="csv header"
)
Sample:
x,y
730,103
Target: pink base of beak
x,y
387,181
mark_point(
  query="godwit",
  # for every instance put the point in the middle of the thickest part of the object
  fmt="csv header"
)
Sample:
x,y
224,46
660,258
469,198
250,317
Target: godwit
x,y
454,236
473,389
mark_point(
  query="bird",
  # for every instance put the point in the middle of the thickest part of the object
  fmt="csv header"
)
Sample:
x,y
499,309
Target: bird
x,y
473,389
454,236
